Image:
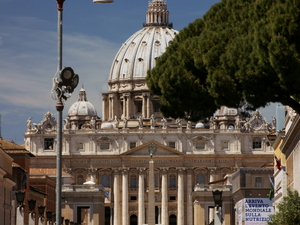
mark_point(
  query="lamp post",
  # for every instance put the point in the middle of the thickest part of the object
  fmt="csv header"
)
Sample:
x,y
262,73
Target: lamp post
x,y
49,216
20,196
217,195
62,89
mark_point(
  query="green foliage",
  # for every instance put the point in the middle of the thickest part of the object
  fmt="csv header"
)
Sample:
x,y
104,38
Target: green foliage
x,y
288,210
242,53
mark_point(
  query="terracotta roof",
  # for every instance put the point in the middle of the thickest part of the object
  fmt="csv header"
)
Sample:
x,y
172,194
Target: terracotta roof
x,y
17,165
11,147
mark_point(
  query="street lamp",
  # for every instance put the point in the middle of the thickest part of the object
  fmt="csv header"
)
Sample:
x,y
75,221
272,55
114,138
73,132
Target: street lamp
x,y
20,195
41,210
49,215
62,89
217,195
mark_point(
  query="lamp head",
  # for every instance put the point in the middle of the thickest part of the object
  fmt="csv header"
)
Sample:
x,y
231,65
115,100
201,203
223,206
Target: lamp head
x,y
20,195
41,209
217,195
31,204
49,215
103,1
66,75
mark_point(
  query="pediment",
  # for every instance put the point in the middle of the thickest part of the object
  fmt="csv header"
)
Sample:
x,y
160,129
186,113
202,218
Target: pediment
x,y
161,150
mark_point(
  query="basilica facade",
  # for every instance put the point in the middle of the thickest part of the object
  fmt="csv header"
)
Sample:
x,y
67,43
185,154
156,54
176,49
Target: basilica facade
x,y
106,160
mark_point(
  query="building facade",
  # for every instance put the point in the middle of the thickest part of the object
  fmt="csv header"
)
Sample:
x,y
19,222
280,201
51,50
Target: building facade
x,y
106,161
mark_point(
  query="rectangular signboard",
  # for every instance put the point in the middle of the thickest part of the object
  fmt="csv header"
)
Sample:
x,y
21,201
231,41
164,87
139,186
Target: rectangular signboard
x,y
254,211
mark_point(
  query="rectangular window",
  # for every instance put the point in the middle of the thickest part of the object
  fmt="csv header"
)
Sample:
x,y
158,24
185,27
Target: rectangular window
x,y
139,107
80,146
224,145
200,145
256,143
172,198
258,182
132,145
133,198
48,143
104,146
172,144
156,106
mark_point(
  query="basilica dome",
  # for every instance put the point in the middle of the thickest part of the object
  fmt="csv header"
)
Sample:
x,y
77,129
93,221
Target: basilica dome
x,y
128,95
139,52
82,107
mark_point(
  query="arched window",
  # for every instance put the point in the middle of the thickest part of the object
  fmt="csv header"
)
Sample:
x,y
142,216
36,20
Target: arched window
x,y
200,178
133,181
105,180
79,180
172,181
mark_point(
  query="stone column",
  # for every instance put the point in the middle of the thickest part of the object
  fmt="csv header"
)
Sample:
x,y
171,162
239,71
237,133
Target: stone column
x,y
109,108
213,174
128,106
124,106
189,203
116,196
164,196
141,196
180,196
151,196
104,105
20,215
31,219
125,196
148,106
144,112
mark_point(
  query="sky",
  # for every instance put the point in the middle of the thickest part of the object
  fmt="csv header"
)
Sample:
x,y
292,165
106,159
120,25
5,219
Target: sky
x,y
92,35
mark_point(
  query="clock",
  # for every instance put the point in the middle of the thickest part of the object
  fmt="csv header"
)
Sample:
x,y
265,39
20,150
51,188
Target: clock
x,y
49,125
256,124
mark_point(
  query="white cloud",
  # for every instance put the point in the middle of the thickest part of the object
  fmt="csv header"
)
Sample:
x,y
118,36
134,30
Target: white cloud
x,y
29,62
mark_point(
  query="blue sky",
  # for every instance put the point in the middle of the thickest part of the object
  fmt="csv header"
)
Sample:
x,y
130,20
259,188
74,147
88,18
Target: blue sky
x,y
92,35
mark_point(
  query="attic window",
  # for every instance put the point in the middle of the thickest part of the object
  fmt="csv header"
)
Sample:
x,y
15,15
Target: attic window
x,y
126,60
172,144
132,145
140,59
104,146
48,143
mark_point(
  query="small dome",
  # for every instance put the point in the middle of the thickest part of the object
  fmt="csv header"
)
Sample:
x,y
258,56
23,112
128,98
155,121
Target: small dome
x,y
82,107
107,126
199,125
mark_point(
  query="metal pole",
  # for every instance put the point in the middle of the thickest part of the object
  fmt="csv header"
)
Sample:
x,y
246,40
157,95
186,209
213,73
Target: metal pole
x,y
59,108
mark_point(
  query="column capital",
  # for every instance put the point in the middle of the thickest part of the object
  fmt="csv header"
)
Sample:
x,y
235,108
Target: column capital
x,y
180,169
116,171
141,170
190,170
124,170
164,170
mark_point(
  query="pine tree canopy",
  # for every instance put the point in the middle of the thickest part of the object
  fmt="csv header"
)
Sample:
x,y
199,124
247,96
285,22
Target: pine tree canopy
x,y
242,53
288,210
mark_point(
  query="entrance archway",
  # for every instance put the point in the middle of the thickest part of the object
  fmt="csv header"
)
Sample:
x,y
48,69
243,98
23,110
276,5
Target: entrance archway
x,y
172,220
133,220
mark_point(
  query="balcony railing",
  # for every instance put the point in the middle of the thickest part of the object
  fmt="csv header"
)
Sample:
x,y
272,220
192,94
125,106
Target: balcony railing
x,y
82,188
